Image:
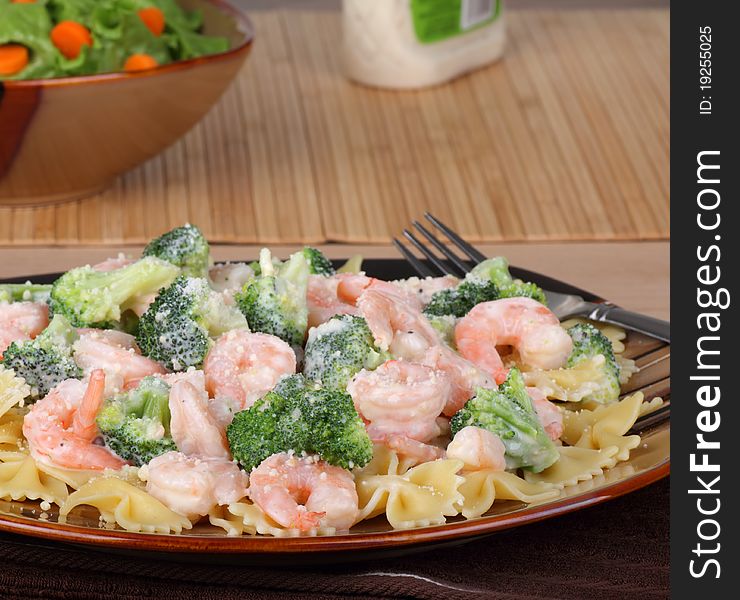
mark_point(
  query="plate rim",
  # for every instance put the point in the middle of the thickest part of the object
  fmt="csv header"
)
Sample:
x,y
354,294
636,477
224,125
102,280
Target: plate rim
x,y
251,545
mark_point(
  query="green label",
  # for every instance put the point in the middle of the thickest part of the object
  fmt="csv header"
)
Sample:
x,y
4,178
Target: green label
x,y
436,20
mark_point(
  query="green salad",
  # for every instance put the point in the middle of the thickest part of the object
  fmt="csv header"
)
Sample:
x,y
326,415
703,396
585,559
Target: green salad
x,y
59,38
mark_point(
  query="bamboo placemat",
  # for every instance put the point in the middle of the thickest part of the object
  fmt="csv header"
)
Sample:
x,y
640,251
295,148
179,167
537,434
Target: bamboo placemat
x,y
566,139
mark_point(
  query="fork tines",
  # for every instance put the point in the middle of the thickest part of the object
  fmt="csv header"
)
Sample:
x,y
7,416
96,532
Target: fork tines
x,y
449,263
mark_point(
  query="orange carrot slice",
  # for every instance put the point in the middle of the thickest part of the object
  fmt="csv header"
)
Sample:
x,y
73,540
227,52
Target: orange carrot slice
x,y
69,37
139,62
13,58
153,18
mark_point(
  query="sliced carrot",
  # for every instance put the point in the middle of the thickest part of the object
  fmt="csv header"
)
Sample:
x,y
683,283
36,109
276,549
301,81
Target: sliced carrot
x,y
13,58
153,18
23,1
139,62
69,37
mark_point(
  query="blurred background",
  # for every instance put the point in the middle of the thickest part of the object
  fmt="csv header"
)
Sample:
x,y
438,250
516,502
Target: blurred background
x,y
557,149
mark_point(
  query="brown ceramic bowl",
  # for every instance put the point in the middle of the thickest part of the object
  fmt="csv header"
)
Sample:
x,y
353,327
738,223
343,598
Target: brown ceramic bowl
x,y
66,138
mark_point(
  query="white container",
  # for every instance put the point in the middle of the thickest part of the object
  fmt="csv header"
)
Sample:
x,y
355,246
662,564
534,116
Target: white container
x,y
418,43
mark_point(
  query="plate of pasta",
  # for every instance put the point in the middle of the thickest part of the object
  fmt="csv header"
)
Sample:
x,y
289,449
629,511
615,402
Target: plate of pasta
x,y
165,403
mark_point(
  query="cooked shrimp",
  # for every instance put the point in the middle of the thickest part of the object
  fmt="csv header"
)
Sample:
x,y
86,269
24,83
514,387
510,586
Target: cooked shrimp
x,y
194,429
117,354
323,296
464,376
244,366
425,288
192,486
303,493
21,321
397,323
351,285
400,398
395,319
478,449
547,413
523,323
61,429
414,449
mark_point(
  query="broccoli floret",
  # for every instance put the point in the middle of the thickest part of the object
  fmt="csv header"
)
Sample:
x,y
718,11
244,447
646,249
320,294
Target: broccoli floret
x,y
338,349
90,298
489,280
184,247
318,264
445,326
275,301
508,413
292,386
522,289
46,360
496,270
257,267
589,342
315,421
177,328
24,292
353,265
458,301
136,424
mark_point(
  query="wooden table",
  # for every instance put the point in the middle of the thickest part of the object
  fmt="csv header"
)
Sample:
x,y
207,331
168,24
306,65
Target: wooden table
x,y
566,138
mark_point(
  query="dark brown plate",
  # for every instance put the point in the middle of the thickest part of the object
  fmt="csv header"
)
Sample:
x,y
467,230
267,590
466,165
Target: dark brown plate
x,y
647,464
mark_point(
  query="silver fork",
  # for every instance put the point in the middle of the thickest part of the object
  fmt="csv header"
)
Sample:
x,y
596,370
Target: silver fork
x,y
563,305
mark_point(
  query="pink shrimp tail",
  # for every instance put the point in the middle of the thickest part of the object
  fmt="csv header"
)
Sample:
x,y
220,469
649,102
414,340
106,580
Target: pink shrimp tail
x,y
413,449
351,286
83,423
307,520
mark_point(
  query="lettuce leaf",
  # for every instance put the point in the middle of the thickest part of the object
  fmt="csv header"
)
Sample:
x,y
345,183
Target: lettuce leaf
x,y
117,33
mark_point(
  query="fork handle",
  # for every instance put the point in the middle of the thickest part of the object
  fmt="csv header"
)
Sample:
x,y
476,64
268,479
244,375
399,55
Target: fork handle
x,y
608,313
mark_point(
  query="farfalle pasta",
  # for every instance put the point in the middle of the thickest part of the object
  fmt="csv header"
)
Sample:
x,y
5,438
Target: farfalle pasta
x,y
125,505
423,495
282,398
21,479
13,390
11,430
480,489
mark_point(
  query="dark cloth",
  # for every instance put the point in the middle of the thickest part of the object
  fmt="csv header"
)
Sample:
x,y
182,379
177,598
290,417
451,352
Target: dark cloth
x,y
616,550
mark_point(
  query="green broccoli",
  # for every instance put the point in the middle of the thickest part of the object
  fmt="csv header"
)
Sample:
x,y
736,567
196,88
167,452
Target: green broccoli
x,y
136,424
458,301
184,247
311,420
24,292
353,265
589,342
496,270
445,326
177,328
46,360
338,349
508,413
292,386
318,264
90,298
275,301
489,280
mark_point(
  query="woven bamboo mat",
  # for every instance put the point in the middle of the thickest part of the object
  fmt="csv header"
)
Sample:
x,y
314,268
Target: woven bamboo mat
x,y
566,139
